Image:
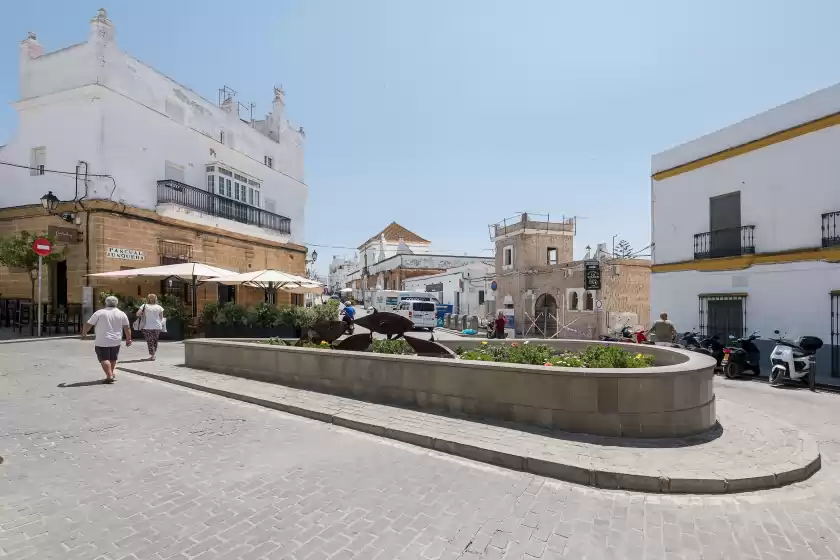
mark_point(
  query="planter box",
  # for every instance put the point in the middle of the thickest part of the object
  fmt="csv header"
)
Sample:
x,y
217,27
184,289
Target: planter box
x,y
241,331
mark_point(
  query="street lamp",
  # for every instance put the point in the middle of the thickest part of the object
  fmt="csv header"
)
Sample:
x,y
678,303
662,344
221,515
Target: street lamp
x,y
50,202
309,272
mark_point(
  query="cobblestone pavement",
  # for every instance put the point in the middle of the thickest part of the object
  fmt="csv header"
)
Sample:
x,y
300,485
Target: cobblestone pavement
x,y
147,470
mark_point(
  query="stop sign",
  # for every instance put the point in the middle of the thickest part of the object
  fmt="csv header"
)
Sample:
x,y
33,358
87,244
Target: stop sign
x,y
42,246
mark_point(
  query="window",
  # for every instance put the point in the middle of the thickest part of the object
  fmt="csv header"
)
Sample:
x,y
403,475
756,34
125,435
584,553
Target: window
x,y
551,255
297,299
257,199
211,183
723,314
222,136
251,197
39,161
235,190
224,171
589,302
480,297
508,256
573,301
269,162
424,306
227,183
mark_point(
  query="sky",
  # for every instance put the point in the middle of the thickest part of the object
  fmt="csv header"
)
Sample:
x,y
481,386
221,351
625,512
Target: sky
x,y
449,115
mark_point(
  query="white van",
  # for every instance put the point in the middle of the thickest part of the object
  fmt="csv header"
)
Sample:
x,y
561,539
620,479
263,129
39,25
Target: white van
x,y
422,313
389,300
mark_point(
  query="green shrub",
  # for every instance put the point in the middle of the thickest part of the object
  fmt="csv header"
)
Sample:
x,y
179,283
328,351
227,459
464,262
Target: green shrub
x,y
231,313
173,307
398,346
265,315
209,313
595,356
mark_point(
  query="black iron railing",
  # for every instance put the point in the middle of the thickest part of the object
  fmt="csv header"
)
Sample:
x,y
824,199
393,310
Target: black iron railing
x,y
831,229
729,242
190,197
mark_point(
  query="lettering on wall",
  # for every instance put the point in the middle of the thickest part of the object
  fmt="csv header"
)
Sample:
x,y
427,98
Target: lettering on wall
x,y
125,254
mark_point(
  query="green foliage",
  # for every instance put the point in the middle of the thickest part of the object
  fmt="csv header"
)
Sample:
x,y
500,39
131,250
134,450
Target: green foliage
x,y
173,307
398,346
595,356
209,313
264,315
16,252
232,313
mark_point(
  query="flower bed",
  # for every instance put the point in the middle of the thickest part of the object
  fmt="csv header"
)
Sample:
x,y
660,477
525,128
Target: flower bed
x,y
594,356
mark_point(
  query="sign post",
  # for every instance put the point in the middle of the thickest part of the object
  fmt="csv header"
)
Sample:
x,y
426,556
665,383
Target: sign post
x,y
42,248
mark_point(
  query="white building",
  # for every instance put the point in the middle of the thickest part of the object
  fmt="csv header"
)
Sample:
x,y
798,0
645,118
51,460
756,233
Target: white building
x,y
340,267
746,228
466,288
143,140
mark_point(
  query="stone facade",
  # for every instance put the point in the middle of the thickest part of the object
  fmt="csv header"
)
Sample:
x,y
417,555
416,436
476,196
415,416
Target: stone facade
x,y
149,239
537,276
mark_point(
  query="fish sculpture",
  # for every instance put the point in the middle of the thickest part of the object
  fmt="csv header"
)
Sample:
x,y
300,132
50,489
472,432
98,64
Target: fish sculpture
x,y
358,342
429,348
390,324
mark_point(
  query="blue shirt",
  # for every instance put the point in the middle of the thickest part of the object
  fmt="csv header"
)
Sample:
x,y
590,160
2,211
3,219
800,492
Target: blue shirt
x,y
350,311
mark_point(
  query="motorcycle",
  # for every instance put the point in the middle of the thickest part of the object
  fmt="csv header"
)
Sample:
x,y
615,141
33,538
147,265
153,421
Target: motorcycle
x,y
741,356
710,345
350,324
627,335
792,360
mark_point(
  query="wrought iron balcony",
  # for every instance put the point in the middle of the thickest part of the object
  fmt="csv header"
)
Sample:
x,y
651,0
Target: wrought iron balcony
x,y
831,229
174,192
729,242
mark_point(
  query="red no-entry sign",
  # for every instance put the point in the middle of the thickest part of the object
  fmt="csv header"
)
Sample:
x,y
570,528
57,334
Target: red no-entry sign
x,y
42,246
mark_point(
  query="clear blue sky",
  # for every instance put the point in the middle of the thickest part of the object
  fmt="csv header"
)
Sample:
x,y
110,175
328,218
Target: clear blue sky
x,y
448,115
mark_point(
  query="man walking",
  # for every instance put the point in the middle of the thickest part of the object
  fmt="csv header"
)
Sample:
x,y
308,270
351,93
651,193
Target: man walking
x,y
110,324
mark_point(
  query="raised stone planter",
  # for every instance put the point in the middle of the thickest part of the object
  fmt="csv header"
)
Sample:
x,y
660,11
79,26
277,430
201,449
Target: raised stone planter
x,y
674,398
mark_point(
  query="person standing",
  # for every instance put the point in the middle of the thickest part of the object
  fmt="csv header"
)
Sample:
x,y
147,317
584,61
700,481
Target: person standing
x,y
500,325
151,323
110,324
663,329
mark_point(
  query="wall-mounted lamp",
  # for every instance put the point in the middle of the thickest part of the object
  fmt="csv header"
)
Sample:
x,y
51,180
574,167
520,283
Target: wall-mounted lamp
x,y
50,202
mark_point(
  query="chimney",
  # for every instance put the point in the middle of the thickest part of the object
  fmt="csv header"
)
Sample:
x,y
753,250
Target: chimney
x,y
101,28
30,48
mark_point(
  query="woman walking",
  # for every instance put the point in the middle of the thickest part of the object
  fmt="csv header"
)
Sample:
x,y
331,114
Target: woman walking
x,y
151,323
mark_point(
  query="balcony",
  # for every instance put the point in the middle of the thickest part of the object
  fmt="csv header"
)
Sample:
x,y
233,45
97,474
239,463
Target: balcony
x,y
173,192
831,229
730,242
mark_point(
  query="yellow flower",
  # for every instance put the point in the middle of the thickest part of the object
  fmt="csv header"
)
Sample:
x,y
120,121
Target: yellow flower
x,y
323,343
484,343
639,356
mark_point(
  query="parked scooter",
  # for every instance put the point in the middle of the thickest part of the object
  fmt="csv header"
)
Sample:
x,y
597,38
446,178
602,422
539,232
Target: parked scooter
x,y
627,335
791,360
741,356
710,345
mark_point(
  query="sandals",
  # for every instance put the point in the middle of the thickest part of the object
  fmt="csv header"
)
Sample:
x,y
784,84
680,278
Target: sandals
x,y
108,380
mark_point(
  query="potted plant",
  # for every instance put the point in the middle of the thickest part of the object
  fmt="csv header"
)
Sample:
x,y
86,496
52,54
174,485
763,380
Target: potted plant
x,y
176,317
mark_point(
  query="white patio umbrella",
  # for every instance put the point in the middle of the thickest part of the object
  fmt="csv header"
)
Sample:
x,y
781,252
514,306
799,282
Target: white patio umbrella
x,y
189,272
271,280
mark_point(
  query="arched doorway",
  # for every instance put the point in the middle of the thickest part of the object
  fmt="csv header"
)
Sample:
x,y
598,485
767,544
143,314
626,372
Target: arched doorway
x,y
545,315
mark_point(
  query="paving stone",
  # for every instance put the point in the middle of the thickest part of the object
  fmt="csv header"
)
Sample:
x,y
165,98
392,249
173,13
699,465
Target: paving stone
x,y
88,467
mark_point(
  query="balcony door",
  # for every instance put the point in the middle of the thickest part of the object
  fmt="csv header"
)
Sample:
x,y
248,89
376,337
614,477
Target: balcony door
x,y
725,225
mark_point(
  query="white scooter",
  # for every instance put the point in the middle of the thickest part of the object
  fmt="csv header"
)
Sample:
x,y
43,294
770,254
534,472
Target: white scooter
x,y
793,360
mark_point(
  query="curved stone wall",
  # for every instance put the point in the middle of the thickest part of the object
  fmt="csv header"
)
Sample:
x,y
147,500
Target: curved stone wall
x,y
675,398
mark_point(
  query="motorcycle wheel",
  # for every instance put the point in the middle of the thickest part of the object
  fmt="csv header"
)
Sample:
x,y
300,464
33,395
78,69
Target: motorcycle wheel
x,y
732,370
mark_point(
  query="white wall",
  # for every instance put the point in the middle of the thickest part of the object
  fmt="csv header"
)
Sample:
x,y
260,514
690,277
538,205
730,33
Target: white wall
x,y
476,277
95,103
784,190
790,297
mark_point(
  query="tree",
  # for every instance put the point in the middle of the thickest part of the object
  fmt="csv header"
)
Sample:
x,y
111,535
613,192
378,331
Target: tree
x,y
623,250
16,253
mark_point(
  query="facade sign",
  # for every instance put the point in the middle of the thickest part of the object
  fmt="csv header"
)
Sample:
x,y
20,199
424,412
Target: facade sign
x,y
591,275
69,236
125,254
434,287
